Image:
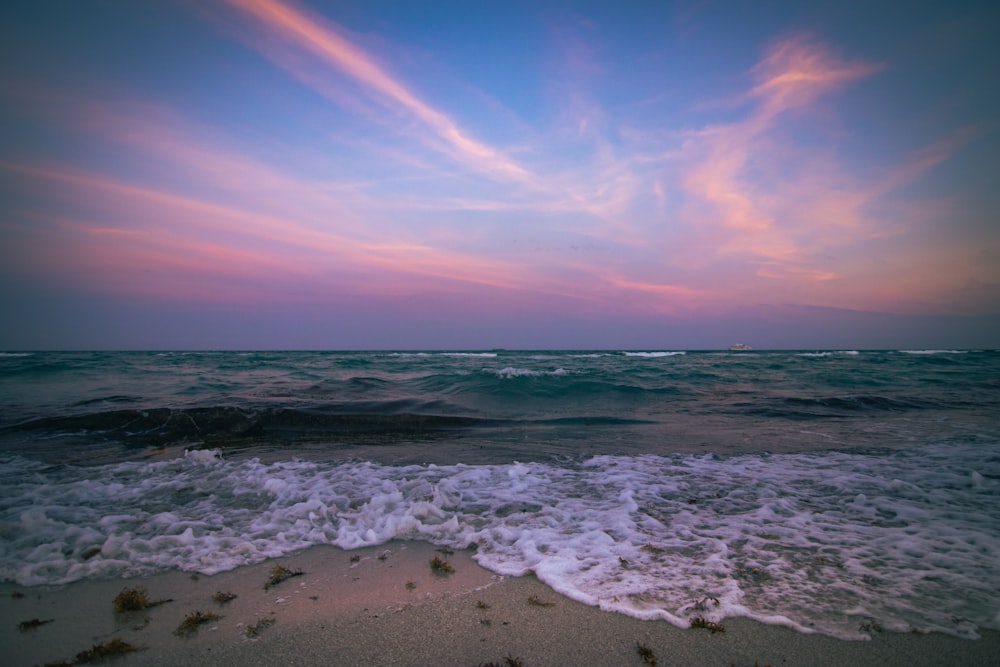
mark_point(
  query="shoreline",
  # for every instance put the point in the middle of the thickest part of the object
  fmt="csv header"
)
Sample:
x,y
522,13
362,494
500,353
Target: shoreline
x,y
385,606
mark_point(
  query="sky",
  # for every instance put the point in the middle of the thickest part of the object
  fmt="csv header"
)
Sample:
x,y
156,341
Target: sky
x,y
270,174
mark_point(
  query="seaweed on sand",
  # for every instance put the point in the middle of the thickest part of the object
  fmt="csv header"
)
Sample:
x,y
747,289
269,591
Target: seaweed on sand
x,y
253,631
441,566
703,604
223,597
135,599
24,626
871,626
280,573
646,654
535,601
711,626
508,661
114,647
193,621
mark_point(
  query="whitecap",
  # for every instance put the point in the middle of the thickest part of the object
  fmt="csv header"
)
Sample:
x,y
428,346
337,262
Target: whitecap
x,y
512,372
654,355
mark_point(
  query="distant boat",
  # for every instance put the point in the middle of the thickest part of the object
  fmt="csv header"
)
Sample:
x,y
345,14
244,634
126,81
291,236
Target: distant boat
x,y
740,347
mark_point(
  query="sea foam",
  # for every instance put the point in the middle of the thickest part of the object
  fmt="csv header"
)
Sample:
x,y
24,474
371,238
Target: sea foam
x,y
819,542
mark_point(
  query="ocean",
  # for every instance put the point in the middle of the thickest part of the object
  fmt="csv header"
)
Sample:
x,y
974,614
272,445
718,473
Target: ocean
x,y
840,492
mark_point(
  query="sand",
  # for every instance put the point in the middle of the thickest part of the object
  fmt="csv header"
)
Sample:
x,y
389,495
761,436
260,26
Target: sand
x,y
384,606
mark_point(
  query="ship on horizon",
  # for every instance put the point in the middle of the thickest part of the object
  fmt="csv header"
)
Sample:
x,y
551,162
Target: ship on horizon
x,y
740,347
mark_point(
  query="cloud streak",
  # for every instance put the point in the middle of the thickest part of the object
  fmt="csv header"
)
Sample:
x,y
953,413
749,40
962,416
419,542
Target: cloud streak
x,y
177,231
319,37
797,71
778,203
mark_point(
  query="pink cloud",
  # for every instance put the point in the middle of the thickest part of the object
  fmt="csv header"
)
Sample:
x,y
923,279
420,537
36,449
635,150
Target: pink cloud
x,y
808,274
323,40
796,71
926,158
661,297
778,203
182,234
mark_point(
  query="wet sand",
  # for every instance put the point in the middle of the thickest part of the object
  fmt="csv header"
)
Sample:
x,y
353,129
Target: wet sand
x,y
385,606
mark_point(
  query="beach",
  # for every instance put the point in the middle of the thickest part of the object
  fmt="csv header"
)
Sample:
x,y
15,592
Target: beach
x,y
386,606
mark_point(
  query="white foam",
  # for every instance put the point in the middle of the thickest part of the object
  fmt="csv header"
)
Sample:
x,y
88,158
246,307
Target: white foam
x,y
443,354
654,355
817,542
511,372
934,351
830,353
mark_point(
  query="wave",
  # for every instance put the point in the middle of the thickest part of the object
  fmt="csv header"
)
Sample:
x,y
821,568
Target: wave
x,y
831,406
101,400
816,542
230,426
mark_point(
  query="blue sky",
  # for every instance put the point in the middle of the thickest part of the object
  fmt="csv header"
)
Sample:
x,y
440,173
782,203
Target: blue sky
x,y
269,174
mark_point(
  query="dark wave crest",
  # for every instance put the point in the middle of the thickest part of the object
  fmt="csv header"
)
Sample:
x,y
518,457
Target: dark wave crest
x,y
227,426
833,406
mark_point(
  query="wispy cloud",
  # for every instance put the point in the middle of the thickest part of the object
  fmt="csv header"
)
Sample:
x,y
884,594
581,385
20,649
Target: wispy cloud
x,y
777,201
665,298
797,71
324,40
210,239
926,158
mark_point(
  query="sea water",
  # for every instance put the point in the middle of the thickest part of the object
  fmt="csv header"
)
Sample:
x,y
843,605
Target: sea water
x,y
829,491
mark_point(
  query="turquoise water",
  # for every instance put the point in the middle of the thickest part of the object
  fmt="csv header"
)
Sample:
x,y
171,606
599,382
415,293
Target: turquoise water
x,y
486,407
828,491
